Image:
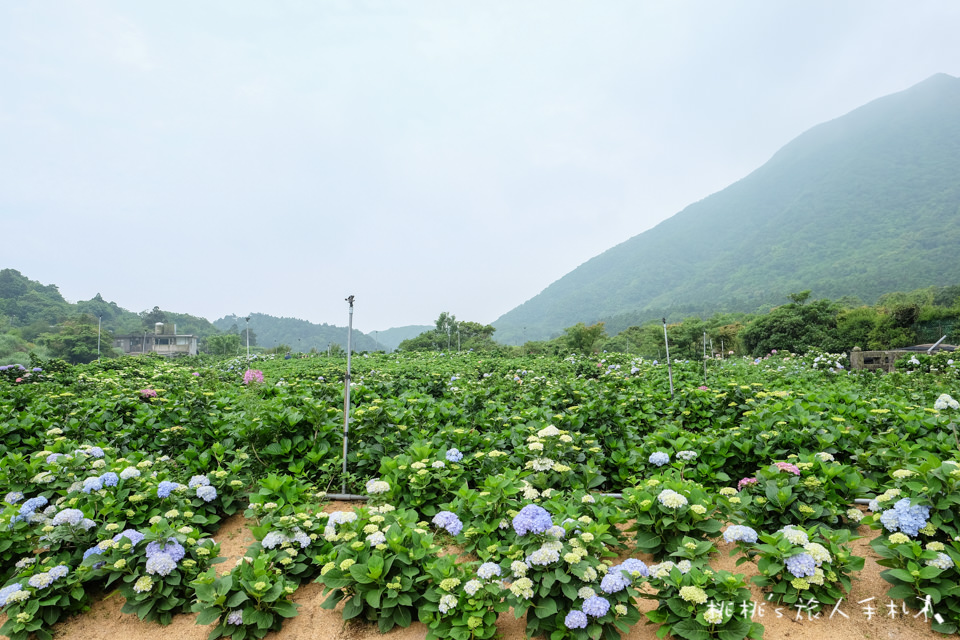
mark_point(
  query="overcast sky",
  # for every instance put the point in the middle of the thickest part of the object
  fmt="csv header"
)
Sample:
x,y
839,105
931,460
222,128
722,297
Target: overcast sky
x,y
231,157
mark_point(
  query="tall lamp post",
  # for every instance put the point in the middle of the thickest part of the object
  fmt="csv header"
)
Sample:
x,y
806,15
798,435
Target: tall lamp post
x,y
248,339
346,394
99,322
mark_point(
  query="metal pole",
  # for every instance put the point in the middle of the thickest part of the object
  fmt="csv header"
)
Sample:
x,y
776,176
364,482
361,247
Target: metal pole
x,y
666,343
99,322
248,340
704,357
346,395
143,347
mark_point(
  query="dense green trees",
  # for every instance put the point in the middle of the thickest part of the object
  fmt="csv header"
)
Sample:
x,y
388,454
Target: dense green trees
x,y
451,334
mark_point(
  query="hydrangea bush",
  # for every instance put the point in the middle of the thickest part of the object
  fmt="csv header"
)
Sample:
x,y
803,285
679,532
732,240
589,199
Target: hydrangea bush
x,y
561,585
811,566
378,566
249,602
698,603
664,510
463,599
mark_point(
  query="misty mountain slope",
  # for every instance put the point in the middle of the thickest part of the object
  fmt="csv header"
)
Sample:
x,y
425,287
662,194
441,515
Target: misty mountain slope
x,y
861,205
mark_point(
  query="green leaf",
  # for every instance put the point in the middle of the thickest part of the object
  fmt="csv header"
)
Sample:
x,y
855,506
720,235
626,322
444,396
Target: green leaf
x,y
373,598
352,608
690,629
208,616
285,608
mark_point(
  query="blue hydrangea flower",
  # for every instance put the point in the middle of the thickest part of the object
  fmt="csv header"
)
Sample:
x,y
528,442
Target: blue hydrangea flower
x,y
801,565
92,484
59,571
134,536
658,458
687,455
615,581
73,517
739,533
160,564
634,565
53,457
576,619
597,606
905,517
129,472
198,481
235,617
165,488
110,479
13,497
532,519
301,538
170,548
488,570
6,592
273,540
454,455
31,505
448,521
207,493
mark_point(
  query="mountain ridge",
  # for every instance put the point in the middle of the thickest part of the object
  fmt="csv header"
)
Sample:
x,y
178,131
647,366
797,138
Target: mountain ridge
x,y
752,243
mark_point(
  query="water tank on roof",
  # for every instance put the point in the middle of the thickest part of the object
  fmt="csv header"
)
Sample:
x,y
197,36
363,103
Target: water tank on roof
x,y
158,328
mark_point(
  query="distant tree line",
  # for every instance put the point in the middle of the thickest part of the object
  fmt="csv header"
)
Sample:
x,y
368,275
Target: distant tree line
x,y
897,320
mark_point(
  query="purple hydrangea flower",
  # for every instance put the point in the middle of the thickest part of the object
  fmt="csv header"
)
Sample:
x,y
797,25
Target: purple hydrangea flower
x,y
596,606
165,488
801,565
170,548
532,519
134,536
576,619
160,564
448,521
739,533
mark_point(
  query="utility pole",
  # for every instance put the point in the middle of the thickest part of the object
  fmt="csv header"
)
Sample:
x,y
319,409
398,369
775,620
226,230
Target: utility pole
x,y
346,394
248,339
666,343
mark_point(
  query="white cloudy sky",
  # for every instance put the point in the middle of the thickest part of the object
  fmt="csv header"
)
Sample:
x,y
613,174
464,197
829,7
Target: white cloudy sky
x,y
224,157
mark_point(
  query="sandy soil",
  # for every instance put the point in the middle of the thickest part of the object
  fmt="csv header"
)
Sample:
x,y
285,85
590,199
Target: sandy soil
x,y
104,620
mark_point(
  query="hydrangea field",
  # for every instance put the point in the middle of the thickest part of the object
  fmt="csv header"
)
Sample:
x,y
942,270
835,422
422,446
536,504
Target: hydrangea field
x,y
567,491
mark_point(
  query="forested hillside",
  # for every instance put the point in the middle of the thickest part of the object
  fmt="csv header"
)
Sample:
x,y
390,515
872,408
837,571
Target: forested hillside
x,y
860,206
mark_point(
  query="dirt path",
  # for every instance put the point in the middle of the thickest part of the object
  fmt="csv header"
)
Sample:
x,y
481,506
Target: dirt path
x,y
105,622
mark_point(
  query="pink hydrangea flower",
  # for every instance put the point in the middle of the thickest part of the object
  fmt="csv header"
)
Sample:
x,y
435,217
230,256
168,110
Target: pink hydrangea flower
x,y
252,375
786,466
744,482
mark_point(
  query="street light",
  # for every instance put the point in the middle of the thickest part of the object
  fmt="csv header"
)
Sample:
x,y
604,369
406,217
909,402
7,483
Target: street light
x,y
99,322
248,339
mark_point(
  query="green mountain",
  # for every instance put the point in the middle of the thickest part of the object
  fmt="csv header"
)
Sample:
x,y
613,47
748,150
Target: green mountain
x,y
858,206
390,339
299,335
